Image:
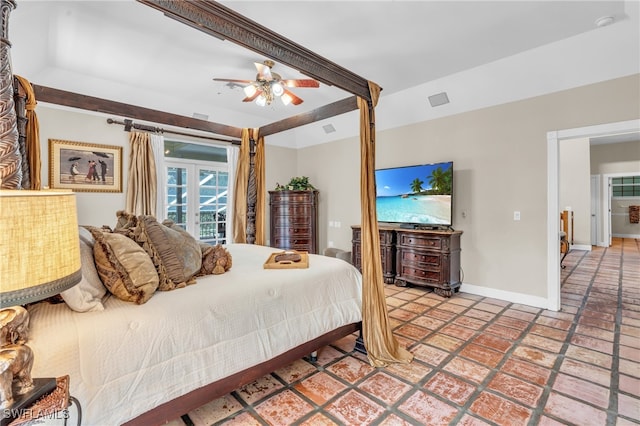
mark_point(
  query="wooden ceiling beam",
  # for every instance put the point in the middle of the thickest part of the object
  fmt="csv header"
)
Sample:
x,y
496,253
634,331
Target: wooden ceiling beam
x,y
89,103
215,19
327,111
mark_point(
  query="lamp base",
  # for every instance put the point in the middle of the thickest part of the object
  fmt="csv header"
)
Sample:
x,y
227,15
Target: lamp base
x,y
21,403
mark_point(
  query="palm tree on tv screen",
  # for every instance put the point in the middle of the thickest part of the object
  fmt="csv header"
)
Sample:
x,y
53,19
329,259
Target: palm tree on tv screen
x,y
416,185
440,181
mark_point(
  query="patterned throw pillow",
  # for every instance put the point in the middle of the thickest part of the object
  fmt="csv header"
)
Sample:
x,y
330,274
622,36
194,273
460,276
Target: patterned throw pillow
x,y
175,254
124,267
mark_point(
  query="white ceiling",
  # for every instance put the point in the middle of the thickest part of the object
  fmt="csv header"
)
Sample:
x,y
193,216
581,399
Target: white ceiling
x,y
481,53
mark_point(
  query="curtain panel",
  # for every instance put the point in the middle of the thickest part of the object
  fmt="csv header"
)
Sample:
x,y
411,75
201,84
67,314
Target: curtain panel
x,y
142,189
382,346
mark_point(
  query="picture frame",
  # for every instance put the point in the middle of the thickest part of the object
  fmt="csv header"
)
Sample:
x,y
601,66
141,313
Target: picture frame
x,y
85,167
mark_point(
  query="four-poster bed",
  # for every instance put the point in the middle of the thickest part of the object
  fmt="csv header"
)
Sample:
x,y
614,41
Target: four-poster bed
x,y
215,19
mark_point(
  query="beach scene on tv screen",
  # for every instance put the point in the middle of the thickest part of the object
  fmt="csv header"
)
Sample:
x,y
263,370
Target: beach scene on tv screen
x,y
415,194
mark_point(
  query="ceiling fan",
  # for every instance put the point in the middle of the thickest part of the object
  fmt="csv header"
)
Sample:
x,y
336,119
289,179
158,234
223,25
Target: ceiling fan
x,y
269,85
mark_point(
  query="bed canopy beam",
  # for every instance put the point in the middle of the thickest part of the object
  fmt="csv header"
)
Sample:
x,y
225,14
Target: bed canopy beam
x,y
221,22
90,103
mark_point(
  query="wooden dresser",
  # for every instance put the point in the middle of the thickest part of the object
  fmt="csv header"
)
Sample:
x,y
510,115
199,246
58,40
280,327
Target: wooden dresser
x,y
387,251
294,220
428,258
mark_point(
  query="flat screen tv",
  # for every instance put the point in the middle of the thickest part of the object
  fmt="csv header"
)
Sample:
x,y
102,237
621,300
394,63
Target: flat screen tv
x,y
415,196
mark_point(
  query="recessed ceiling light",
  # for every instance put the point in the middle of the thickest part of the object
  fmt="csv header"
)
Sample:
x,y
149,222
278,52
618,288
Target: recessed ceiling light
x,y
604,21
200,116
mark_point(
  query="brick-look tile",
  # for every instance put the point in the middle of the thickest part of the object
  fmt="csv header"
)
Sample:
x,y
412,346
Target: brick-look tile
x,y
243,419
385,387
450,388
493,342
573,411
260,388
350,369
536,356
320,387
467,369
413,331
284,408
429,323
296,371
527,371
587,371
443,341
215,411
429,354
413,372
629,406
428,410
319,420
589,356
517,389
499,410
355,409
482,355
550,332
582,390
592,343
457,331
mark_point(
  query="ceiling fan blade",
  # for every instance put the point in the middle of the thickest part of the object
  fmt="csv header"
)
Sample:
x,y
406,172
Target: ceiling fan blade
x,y
301,83
264,71
252,97
294,99
233,81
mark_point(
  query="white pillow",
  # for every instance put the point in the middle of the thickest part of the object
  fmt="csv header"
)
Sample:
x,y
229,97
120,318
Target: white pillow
x,y
87,295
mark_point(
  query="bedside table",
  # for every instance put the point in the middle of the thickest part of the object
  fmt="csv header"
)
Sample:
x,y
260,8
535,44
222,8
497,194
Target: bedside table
x,y
51,406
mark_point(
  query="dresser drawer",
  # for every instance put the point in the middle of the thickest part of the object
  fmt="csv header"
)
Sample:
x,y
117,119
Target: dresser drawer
x,y
285,220
297,210
299,243
292,197
416,257
292,231
410,272
417,240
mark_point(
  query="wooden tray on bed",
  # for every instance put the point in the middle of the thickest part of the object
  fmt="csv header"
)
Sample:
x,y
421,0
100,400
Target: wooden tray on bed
x,y
303,263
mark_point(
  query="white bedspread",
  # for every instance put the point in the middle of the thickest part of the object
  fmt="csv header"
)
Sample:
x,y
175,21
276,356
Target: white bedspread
x,y
130,358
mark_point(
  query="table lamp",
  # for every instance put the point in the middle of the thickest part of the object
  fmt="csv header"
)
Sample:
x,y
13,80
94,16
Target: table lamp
x,y
39,258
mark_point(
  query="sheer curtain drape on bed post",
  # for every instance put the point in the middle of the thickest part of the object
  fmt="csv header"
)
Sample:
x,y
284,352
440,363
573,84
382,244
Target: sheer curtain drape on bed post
x,y
382,347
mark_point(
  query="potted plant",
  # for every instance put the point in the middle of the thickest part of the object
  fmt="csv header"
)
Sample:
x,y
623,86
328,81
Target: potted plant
x,y
300,183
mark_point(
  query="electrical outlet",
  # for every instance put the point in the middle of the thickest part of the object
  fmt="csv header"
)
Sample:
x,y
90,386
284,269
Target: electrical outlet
x,y
338,224
516,215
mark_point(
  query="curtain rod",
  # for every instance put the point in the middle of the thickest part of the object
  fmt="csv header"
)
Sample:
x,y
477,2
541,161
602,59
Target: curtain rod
x,y
129,124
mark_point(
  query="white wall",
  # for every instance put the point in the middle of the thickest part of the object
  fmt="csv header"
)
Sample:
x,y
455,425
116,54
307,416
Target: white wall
x,y
575,191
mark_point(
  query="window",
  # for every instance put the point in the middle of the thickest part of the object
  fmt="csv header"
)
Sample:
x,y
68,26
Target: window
x,y
626,186
197,189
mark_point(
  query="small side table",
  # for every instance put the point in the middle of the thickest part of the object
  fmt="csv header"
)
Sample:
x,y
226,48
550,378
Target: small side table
x,y
52,405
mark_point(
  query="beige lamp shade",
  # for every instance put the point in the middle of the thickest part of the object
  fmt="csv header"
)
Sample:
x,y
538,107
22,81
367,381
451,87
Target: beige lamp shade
x,y
39,246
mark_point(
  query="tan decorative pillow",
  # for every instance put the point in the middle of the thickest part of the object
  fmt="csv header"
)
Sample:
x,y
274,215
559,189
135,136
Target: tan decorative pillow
x,y
215,259
124,267
175,254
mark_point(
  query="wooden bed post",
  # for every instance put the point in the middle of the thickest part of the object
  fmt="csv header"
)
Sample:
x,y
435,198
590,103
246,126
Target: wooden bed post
x,y
10,159
20,101
252,194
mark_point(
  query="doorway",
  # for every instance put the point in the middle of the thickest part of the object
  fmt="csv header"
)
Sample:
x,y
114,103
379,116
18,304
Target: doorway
x,y
554,138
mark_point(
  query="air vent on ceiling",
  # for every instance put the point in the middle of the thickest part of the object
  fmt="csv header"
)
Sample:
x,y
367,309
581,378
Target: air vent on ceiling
x,y
200,116
328,128
439,99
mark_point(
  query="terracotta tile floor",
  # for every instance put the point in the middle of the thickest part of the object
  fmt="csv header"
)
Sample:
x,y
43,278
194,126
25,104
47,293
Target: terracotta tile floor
x,y
478,361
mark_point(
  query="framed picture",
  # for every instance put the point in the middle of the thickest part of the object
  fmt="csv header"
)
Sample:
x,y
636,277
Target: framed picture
x,y
85,167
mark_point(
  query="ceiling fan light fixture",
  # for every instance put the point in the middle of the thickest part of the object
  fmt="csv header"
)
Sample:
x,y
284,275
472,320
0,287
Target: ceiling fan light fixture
x,y
286,99
276,88
250,90
261,100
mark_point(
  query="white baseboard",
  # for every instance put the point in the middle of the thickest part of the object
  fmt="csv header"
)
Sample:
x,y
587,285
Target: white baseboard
x,y
583,247
626,235
509,296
